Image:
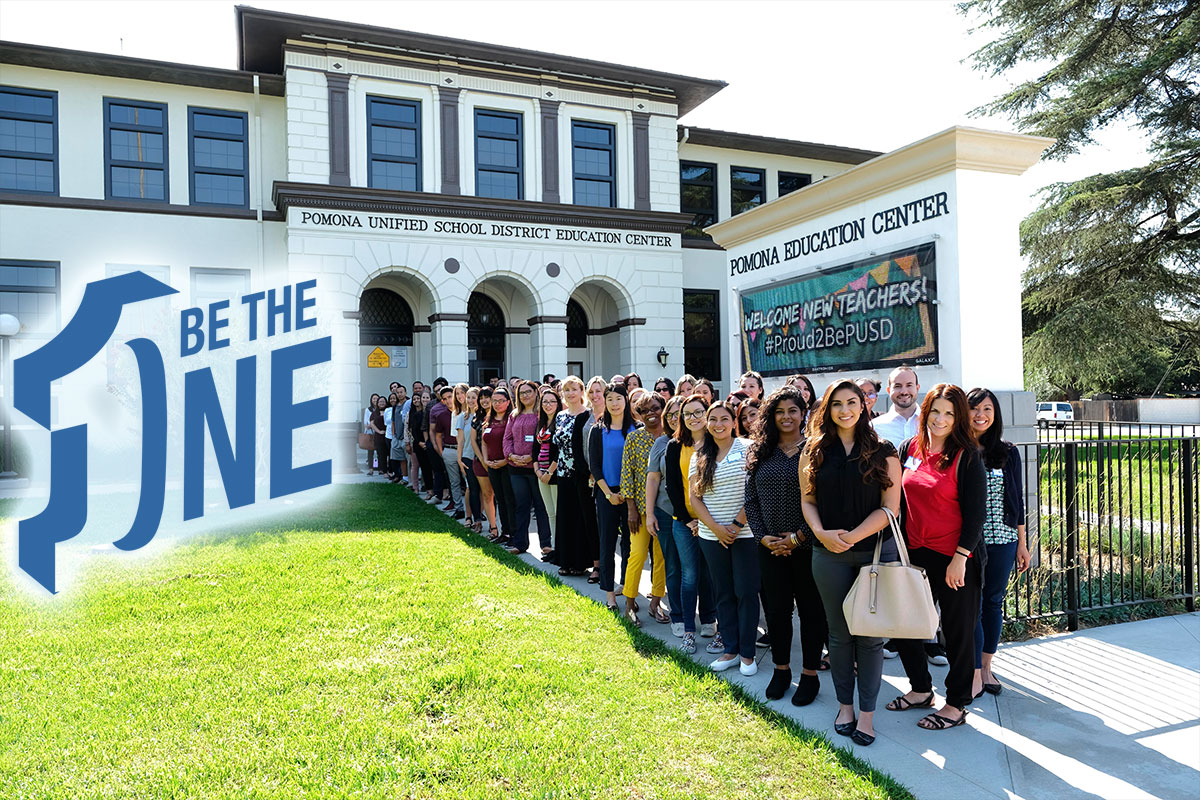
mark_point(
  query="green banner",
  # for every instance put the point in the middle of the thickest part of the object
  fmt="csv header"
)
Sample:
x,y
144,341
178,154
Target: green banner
x,y
876,312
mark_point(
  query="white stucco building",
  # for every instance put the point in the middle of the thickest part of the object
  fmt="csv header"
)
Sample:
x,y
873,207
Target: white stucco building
x,y
467,209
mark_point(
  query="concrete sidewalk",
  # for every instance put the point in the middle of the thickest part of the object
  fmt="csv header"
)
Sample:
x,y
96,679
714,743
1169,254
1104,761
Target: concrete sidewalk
x,y
1111,712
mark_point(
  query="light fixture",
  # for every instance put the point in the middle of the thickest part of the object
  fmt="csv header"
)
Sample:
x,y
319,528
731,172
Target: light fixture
x,y
663,355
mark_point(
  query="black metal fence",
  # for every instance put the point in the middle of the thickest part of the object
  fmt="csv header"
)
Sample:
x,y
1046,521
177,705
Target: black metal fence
x,y
1111,524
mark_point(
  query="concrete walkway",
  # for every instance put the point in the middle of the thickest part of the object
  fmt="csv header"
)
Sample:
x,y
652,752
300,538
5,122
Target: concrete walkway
x,y
1111,712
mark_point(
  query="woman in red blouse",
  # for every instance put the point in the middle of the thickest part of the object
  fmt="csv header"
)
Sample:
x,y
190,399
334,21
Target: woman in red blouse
x,y
945,503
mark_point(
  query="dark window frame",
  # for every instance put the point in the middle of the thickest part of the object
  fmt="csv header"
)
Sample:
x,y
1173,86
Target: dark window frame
x,y
716,346
52,96
576,334
110,162
399,334
415,126
519,138
55,290
697,211
611,147
244,139
805,177
762,190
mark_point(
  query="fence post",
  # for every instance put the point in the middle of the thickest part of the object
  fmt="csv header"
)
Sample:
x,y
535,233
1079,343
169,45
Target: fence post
x,y
1072,540
1188,472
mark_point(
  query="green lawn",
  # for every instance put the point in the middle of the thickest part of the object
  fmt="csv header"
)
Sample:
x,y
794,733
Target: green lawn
x,y
351,658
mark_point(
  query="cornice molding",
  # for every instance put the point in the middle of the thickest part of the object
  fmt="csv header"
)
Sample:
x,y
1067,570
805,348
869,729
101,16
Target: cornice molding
x,y
952,149
133,206
285,195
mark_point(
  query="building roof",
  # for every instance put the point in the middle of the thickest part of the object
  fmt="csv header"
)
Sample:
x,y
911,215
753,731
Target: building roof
x,y
729,140
262,34
140,69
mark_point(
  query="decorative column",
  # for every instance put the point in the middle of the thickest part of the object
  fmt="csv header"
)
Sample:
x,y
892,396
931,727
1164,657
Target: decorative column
x,y
548,340
450,346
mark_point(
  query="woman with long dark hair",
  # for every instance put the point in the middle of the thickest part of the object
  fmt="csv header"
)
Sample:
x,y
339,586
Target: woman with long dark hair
x,y
664,387
632,381
705,388
576,508
1003,530
660,513
487,496
848,476
605,453
545,465
945,504
749,413
370,431
717,490
595,401
785,554
379,430
492,443
519,439
418,430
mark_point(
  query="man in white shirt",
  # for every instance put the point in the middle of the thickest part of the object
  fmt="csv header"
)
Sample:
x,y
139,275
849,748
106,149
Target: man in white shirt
x,y
901,421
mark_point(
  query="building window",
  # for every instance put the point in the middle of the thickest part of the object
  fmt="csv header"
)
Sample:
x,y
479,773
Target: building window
x,y
791,181
384,319
702,333
394,144
28,140
594,163
29,291
747,189
698,195
135,135
577,325
498,155
220,157
211,284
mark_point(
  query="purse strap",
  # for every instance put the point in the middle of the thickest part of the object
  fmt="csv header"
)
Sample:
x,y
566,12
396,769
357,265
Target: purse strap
x,y
896,535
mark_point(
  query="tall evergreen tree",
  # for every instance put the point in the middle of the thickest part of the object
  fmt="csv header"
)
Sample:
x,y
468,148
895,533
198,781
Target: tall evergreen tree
x,y
1112,292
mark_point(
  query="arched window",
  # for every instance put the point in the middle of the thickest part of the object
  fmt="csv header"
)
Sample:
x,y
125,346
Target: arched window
x,y
577,325
485,330
384,318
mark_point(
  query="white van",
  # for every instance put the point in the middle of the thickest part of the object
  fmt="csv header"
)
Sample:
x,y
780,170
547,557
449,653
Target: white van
x,y
1058,414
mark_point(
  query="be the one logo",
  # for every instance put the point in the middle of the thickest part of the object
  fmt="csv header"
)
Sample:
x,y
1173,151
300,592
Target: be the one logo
x,y
283,310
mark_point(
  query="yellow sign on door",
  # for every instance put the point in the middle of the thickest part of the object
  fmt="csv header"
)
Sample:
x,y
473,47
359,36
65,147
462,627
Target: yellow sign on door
x,y
377,358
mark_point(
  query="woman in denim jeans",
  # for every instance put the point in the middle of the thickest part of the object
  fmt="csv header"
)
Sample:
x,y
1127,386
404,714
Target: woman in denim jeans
x,y
695,585
1003,529
847,476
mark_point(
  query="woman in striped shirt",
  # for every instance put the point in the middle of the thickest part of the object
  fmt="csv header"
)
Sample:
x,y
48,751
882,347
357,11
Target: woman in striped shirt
x,y
717,489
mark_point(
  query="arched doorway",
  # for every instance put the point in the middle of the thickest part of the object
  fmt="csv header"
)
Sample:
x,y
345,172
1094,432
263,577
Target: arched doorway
x,y
385,339
485,339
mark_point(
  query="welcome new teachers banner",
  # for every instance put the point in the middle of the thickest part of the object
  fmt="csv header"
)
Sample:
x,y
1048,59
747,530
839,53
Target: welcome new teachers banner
x,y
872,313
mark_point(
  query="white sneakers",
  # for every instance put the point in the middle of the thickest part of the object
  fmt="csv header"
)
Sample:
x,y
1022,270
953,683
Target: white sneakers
x,y
722,664
677,630
708,630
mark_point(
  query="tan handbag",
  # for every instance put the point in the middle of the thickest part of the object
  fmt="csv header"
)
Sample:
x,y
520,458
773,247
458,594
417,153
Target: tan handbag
x,y
892,600
366,441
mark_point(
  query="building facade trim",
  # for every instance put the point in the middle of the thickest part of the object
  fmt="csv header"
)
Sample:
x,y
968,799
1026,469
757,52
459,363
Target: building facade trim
x,y
549,117
139,69
641,160
730,140
952,149
308,195
339,128
136,206
448,106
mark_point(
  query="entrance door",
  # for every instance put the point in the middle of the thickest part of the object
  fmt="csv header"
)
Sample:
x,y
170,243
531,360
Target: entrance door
x,y
485,337
482,373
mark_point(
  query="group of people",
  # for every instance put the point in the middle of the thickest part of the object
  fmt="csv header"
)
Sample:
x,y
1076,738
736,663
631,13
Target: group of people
x,y
757,501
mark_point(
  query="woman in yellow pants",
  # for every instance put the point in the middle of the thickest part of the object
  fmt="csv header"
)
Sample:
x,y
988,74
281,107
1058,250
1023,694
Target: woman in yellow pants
x,y
633,486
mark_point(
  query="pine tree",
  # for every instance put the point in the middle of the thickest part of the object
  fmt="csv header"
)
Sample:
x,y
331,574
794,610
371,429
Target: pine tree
x,y
1112,292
